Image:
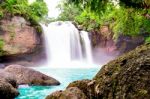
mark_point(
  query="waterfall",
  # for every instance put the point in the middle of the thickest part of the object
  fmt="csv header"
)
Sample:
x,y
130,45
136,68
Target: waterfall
x,y
65,45
87,46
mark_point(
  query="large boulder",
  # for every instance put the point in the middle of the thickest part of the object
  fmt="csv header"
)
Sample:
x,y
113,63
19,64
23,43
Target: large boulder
x,y
9,78
69,93
8,85
18,35
29,76
7,91
85,85
127,77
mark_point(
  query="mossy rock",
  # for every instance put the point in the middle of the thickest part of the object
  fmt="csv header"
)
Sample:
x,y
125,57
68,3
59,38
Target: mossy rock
x,y
69,93
127,77
82,85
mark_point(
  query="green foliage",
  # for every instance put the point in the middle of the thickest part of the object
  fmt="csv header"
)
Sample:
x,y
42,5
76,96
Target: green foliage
x,y
147,40
98,5
1,14
127,17
93,5
34,12
1,47
136,3
88,20
14,6
124,21
37,10
1,43
69,12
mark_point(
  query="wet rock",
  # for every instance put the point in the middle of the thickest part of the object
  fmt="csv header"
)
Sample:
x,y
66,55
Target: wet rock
x,y
69,93
126,77
8,85
29,76
85,85
7,91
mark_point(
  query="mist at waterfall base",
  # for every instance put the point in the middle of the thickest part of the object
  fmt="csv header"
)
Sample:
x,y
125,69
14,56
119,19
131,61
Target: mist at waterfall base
x,y
69,58
66,47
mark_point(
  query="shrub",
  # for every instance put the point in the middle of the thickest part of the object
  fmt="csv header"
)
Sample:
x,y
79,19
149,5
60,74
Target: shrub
x,y
88,20
147,40
124,21
68,12
34,12
1,47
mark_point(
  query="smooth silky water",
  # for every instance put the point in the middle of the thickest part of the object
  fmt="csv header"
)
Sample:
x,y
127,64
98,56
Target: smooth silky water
x,y
64,75
69,58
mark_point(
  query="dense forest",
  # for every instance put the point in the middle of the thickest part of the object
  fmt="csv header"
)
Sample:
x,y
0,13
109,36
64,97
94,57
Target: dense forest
x,y
32,12
124,17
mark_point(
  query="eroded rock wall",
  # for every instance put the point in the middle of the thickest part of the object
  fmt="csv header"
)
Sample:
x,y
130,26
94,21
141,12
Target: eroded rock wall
x,y
20,42
104,38
18,36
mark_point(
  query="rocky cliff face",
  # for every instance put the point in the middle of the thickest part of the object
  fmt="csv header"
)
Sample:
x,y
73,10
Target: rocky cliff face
x,y
18,36
20,42
104,38
126,77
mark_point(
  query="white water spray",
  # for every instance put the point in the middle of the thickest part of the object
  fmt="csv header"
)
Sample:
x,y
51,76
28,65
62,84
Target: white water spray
x,y
65,47
87,46
64,44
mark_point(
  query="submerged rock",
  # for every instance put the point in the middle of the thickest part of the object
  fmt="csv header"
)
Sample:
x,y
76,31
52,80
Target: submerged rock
x,y
29,76
127,77
69,93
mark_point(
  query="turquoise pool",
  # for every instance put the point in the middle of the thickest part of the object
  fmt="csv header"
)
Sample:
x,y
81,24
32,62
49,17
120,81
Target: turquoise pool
x,y
64,75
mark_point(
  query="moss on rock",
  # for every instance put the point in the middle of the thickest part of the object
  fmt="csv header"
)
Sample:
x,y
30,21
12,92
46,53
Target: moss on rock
x,y
127,77
69,93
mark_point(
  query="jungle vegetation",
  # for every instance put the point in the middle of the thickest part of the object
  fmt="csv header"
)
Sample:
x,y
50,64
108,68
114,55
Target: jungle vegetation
x,y
124,17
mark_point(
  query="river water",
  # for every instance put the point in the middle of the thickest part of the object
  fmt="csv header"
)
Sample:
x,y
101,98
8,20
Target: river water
x,y
64,75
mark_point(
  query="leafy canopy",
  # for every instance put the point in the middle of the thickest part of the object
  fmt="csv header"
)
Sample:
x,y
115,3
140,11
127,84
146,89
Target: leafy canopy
x,y
35,11
95,5
126,17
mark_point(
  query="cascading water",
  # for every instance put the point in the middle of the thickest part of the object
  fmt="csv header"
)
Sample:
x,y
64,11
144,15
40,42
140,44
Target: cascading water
x,y
63,44
65,47
87,46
